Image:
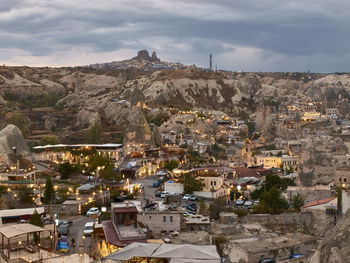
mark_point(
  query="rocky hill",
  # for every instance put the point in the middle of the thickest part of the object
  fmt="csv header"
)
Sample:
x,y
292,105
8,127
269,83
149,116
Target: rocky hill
x,y
335,247
65,102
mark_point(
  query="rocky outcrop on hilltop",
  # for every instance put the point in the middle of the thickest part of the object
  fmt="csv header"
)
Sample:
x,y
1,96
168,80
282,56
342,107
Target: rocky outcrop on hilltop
x,y
320,157
12,143
335,247
144,55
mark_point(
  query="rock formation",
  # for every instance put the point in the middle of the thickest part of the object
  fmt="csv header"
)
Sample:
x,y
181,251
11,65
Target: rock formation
x,y
335,247
319,158
12,142
137,130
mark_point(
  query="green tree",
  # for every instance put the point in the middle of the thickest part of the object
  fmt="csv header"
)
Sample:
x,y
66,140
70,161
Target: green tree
x,y
49,193
272,201
98,161
251,128
108,173
95,134
297,201
193,157
26,195
216,207
190,184
272,180
65,169
158,119
46,140
172,165
36,221
3,190
339,197
17,119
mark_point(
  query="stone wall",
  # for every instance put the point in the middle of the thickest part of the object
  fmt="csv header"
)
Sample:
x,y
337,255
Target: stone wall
x,y
70,209
221,229
286,220
311,194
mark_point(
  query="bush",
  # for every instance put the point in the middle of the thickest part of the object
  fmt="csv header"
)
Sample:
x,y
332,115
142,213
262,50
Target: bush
x,y
158,119
240,212
46,140
95,134
171,165
67,169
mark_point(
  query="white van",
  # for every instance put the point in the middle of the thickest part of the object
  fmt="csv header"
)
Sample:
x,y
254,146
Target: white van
x,y
88,228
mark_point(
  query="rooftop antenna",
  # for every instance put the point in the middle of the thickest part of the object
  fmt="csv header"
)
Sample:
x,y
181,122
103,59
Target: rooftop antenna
x,y
210,61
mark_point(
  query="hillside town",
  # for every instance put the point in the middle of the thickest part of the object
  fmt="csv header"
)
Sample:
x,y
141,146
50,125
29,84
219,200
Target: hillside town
x,y
147,163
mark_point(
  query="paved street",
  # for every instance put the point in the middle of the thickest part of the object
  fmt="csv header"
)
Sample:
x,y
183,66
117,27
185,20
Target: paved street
x,y
149,190
76,232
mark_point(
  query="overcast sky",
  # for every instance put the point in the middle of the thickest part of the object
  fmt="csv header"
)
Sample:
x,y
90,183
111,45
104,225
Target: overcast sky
x,y
249,35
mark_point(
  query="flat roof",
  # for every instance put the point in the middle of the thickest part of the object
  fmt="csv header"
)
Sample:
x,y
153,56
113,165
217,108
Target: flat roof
x,y
106,145
20,229
112,235
21,212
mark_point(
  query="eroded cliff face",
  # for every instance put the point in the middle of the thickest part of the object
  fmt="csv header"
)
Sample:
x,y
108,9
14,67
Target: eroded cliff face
x,y
320,157
76,98
335,248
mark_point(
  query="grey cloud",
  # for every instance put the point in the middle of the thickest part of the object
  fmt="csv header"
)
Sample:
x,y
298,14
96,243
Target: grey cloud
x,y
286,35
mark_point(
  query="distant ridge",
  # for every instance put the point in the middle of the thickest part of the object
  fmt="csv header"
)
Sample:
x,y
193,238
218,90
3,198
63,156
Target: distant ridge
x,y
142,61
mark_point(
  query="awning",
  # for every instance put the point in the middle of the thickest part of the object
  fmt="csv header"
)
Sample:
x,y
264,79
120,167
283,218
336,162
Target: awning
x,y
134,250
20,229
177,253
106,145
186,260
85,187
186,251
21,212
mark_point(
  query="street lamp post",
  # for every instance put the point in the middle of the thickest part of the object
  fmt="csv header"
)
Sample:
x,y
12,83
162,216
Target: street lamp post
x,y
19,249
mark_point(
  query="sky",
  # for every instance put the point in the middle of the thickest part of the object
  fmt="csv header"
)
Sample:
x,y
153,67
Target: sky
x,y
253,35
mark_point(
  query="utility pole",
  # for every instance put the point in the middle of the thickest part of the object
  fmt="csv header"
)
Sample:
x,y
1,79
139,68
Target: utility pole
x,y
211,61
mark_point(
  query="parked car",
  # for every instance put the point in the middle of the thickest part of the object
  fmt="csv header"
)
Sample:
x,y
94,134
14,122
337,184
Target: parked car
x,y
93,211
193,205
63,245
267,260
161,179
190,212
88,229
239,202
187,214
156,184
190,208
164,194
297,256
186,197
248,203
63,229
65,221
158,193
47,221
193,198
162,173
